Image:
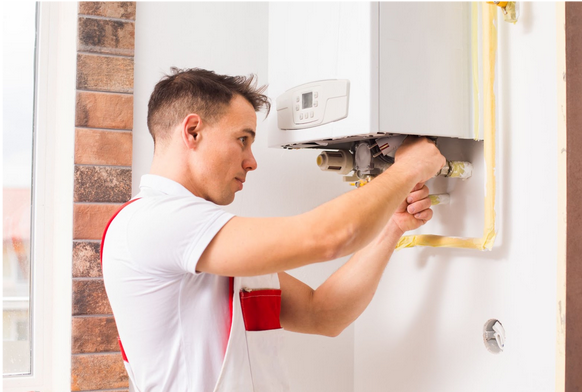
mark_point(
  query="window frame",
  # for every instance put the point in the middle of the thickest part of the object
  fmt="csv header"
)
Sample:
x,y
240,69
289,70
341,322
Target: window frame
x,y
52,214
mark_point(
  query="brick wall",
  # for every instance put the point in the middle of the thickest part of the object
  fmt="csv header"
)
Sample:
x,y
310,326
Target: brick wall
x,y
103,149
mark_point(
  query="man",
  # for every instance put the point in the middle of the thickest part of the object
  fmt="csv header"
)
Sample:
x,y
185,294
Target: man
x,y
185,325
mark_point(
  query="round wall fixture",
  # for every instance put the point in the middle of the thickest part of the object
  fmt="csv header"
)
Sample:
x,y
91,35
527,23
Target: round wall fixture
x,y
494,336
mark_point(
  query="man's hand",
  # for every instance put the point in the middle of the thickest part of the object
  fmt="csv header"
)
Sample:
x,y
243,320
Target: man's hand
x,y
420,156
414,211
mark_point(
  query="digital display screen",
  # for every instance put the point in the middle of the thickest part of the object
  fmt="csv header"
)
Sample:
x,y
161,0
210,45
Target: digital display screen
x,y
307,100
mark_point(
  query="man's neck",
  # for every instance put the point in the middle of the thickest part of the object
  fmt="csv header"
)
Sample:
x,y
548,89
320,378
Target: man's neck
x,y
168,165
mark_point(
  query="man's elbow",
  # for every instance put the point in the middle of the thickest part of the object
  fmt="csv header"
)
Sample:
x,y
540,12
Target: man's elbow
x,y
330,327
332,331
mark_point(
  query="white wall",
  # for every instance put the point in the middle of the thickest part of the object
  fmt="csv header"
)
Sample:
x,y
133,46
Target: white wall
x,y
232,38
423,330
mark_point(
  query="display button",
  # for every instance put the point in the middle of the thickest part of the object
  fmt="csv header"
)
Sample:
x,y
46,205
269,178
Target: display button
x,y
297,108
311,114
297,99
315,95
301,116
315,104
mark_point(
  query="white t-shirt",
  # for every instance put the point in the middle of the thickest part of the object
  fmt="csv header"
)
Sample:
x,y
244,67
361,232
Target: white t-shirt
x,y
172,321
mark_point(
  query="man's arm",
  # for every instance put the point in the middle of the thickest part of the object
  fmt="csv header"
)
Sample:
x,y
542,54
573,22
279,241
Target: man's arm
x,y
346,294
342,226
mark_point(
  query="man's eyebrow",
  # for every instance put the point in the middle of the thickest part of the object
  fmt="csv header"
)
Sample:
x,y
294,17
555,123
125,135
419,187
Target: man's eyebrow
x,y
250,132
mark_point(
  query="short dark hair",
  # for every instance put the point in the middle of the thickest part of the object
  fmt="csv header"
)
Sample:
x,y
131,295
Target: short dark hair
x,y
198,91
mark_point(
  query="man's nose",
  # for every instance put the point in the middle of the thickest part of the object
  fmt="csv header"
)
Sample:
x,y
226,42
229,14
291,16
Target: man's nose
x,y
250,163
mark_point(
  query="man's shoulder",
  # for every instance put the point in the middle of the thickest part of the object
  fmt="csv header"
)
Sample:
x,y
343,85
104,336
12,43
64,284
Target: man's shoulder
x,y
162,211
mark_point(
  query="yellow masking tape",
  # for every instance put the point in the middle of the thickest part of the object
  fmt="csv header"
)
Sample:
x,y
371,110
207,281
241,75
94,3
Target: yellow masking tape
x,y
437,241
489,15
435,200
489,60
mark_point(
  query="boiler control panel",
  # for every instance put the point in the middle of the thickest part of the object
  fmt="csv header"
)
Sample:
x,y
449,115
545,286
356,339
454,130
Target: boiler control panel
x,y
313,104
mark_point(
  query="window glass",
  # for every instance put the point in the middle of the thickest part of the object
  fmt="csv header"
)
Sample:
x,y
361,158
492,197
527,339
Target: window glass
x,y
18,87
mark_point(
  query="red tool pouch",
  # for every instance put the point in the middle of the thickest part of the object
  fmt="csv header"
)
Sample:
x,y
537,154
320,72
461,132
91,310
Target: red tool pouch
x,y
261,309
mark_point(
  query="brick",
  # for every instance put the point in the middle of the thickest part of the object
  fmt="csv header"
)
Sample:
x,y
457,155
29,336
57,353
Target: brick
x,y
86,259
114,9
94,335
99,147
104,73
106,36
89,220
89,297
102,184
101,110
99,371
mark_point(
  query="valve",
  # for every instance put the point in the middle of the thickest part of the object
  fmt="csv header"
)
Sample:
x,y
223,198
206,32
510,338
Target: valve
x,y
456,169
341,161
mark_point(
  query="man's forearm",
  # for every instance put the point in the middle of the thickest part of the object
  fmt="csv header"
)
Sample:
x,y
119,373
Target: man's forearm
x,y
364,213
347,293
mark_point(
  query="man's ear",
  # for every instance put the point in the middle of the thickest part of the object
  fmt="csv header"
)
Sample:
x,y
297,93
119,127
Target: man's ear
x,y
190,130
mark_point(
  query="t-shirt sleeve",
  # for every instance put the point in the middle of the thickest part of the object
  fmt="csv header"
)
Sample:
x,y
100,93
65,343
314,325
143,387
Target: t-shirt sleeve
x,y
169,234
198,245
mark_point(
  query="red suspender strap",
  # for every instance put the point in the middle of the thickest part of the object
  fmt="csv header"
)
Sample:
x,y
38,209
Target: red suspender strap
x,y
122,350
101,258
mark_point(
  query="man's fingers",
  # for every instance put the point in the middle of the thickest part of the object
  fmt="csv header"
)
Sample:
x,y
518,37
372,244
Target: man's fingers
x,y
424,216
419,206
417,194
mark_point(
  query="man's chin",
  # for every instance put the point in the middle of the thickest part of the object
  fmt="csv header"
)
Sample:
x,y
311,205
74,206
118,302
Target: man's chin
x,y
224,201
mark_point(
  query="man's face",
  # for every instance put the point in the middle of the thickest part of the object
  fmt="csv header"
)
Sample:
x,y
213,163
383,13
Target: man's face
x,y
225,155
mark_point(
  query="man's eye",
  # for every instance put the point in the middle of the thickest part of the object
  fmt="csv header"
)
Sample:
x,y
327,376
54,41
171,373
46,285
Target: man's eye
x,y
243,139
